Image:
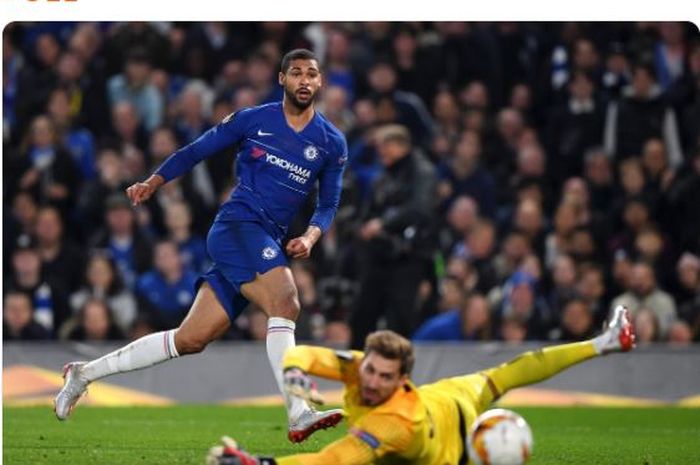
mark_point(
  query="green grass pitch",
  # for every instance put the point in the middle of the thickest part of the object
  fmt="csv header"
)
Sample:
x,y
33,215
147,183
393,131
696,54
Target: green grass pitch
x,y
181,435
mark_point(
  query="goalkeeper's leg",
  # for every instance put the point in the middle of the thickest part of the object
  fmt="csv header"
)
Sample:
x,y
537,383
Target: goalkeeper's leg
x,y
533,367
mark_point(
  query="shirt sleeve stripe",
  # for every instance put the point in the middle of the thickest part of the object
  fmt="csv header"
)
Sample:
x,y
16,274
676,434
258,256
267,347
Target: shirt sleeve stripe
x,y
364,436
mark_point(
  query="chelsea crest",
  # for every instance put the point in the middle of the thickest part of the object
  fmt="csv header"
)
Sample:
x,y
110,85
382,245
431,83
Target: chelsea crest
x,y
310,153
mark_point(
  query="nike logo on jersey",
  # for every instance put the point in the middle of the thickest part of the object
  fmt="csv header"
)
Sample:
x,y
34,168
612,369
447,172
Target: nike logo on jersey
x,y
261,133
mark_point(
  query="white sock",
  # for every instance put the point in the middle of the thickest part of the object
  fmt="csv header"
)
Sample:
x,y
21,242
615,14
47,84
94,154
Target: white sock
x,y
280,337
145,352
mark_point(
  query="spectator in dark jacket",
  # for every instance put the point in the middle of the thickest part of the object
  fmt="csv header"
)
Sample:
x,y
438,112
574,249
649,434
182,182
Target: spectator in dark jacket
x,y
395,237
17,319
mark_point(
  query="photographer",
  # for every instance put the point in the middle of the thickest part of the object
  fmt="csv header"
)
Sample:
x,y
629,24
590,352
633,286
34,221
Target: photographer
x,y
395,237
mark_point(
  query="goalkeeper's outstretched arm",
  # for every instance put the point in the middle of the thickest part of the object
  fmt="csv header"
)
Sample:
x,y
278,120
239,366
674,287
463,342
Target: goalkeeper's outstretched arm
x,y
346,451
319,361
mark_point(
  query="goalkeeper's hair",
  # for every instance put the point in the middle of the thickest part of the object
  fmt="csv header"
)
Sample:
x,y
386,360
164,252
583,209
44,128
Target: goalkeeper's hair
x,y
393,346
296,54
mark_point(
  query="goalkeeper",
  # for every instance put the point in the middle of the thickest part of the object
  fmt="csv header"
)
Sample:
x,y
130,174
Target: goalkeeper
x,y
391,420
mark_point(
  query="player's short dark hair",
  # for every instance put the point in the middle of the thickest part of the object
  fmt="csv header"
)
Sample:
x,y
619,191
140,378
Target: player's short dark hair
x,y
393,346
296,54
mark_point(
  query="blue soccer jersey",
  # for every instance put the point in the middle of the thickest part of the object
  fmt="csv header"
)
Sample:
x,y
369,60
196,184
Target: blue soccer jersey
x,y
277,167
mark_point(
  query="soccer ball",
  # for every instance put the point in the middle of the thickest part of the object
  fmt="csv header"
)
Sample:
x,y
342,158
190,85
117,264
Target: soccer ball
x,y
500,437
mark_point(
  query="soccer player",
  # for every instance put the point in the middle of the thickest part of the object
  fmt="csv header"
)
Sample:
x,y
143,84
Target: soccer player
x,y
284,147
392,421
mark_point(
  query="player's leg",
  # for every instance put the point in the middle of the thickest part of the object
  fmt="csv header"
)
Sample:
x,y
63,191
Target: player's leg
x,y
205,322
276,294
535,366
476,391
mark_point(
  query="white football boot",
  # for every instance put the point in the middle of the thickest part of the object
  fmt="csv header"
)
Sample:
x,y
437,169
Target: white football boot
x,y
74,386
619,335
311,421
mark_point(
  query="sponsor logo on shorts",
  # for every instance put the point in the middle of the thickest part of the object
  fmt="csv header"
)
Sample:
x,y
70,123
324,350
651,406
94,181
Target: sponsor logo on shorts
x,y
310,153
269,253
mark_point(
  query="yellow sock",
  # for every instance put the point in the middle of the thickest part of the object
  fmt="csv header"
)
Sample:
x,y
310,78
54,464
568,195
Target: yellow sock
x,y
535,366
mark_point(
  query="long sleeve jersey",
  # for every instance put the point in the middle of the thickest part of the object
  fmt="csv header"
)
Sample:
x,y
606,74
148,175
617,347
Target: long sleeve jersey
x,y
277,167
418,426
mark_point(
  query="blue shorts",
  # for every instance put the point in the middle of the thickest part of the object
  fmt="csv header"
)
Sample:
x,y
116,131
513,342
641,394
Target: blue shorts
x,y
239,250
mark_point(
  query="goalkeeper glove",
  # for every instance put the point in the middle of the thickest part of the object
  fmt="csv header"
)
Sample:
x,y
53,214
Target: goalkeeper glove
x,y
230,454
298,383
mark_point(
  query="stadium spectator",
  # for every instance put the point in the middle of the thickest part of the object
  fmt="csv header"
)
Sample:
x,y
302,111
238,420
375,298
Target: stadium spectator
x,y
598,174
670,53
522,302
685,223
111,179
78,140
529,220
49,300
338,70
122,237
260,77
60,257
646,325
513,249
652,248
680,334
687,287
36,78
531,167
394,236
574,127
563,287
645,294
102,282
192,247
461,218
43,167
192,108
17,319
576,322
639,115
92,323
20,220
337,333
127,130
406,107
558,241
195,188
512,330
591,287
479,252
167,290
125,37
335,105
471,321
134,86
463,174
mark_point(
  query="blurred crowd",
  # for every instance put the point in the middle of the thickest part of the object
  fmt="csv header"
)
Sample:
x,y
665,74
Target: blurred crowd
x,y
506,181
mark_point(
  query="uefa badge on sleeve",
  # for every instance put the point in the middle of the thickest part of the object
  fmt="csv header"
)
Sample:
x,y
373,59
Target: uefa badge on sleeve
x,y
310,153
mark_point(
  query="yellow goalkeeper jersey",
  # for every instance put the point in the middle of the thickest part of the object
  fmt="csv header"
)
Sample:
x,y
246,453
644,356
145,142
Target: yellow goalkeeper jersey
x,y
421,426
